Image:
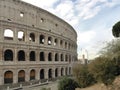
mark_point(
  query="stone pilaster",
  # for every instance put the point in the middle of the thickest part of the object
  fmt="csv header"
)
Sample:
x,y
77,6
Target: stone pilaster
x,y
27,56
27,75
37,38
15,35
46,56
37,74
1,53
53,72
1,77
52,41
37,56
59,71
15,76
46,40
46,73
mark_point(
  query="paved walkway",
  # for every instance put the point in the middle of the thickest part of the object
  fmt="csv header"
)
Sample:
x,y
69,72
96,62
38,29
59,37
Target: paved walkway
x,y
47,85
50,86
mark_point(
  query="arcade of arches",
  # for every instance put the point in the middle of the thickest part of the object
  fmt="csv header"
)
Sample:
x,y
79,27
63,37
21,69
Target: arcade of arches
x,y
35,45
12,76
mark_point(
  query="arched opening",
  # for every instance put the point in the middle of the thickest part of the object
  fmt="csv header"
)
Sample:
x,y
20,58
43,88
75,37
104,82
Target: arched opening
x,y
41,20
8,34
8,77
42,39
65,45
21,76
62,71
21,55
32,56
42,56
50,73
49,56
42,74
56,57
61,43
21,36
56,72
55,42
21,14
49,40
66,71
69,70
62,59
32,37
66,57
32,74
8,55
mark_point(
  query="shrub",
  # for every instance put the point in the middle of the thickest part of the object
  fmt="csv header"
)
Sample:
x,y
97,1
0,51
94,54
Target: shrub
x,y
83,76
104,70
67,84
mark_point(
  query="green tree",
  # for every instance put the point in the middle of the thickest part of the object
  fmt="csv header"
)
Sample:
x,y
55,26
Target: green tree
x,y
104,70
112,52
67,84
111,48
116,29
116,59
82,75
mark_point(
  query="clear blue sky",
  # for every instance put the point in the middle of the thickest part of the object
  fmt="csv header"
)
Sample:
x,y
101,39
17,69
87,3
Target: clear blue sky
x,y
92,20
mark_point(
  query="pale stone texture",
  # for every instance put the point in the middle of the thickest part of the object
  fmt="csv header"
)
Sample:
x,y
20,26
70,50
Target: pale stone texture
x,y
16,16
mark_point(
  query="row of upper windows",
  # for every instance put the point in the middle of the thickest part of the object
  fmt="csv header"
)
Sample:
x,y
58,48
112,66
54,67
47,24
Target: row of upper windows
x,y
9,35
8,56
24,14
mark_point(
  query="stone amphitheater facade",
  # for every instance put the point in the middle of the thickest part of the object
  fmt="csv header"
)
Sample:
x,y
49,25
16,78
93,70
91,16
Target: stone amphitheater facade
x,y
34,44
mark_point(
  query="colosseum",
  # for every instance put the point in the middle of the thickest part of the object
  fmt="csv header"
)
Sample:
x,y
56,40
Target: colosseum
x,y
35,45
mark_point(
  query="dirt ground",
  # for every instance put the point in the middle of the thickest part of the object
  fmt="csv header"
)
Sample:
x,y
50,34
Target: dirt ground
x,y
94,87
115,86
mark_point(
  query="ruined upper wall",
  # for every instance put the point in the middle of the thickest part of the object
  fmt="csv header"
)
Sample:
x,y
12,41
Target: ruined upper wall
x,y
23,13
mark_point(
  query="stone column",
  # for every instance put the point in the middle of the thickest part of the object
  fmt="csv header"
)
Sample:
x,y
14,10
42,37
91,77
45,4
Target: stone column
x,y
15,76
26,36
64,71
27,56
15,59
1,32
59,71
37,56
59,56
58,43
27,75
15,33
46,56
46,73
52,41
53,72
1,77
37,38
37,74
53,56
1,35
1,53
46,40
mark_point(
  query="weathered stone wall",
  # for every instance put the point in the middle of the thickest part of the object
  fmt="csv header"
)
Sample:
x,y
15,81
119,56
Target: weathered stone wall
x,y
41,32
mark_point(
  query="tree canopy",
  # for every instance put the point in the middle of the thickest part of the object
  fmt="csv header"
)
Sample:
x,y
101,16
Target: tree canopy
x,y
67,84
116,30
